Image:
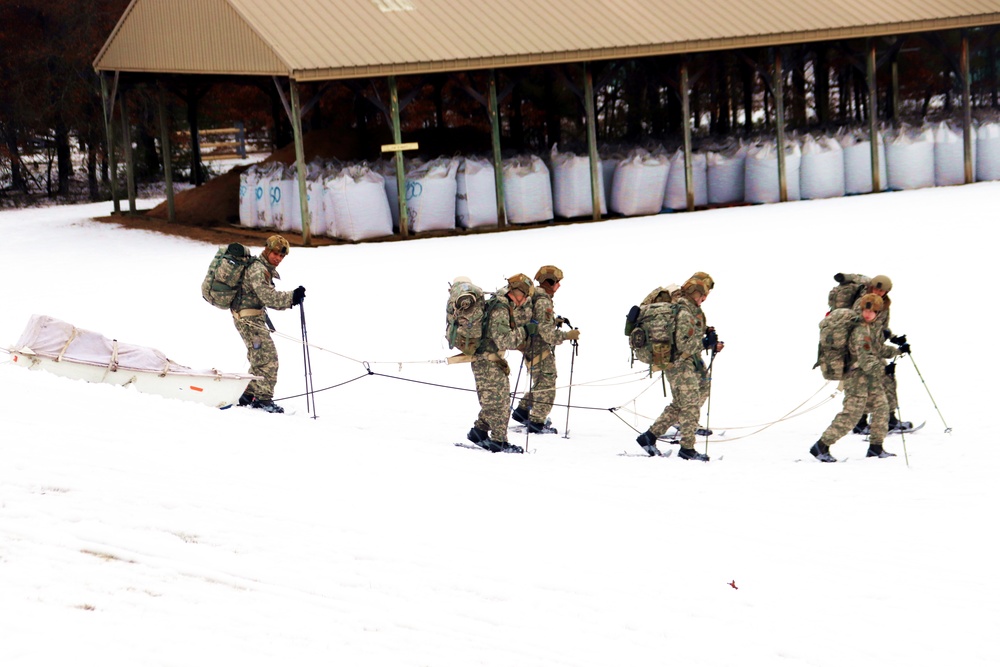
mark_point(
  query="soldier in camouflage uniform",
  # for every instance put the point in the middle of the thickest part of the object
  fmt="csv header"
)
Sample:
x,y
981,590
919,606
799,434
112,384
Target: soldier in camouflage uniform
x,y
249,316
540,354
686,373
882,336
508,327
863,384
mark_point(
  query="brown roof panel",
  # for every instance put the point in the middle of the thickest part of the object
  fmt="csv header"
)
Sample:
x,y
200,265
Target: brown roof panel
x,y
317,39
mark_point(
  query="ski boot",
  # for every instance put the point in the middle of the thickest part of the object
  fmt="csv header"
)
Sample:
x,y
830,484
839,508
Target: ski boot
x,y
875,450
539,427
267,406
477,435
521,415
246,399
703,431
648,442
862,426
896,426
822,452
691,454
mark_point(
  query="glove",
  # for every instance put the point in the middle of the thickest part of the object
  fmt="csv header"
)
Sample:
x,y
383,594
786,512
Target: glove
x,y
531,328
886,334
890,369
573,334
298,294
839,277
710,340
560,320
904,348
898,340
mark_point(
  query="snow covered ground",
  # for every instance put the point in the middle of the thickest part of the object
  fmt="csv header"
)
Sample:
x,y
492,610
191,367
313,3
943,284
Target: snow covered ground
x,y
137,530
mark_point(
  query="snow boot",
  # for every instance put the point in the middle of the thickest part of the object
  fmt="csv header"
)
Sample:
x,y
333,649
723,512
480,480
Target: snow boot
x,y
648,442
508,448
521,415
539,427
703,431
246,399
876,450
267,406
822,452
477,435
897,426
691,454
862,426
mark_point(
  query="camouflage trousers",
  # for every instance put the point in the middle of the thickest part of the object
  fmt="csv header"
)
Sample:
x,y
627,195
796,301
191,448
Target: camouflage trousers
x,y
860,390
689,389
543,389
493,388
889,384
262,355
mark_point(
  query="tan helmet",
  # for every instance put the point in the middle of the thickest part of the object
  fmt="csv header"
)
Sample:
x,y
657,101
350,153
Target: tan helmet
x,y
880,282
870,302
522,284
695,286
278,244
705,278
549,272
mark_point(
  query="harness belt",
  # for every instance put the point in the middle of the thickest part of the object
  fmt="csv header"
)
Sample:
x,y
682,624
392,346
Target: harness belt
x,y
247,312
468,358
531,362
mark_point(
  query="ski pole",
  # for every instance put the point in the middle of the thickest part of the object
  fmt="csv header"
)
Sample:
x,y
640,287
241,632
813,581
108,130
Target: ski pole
x,y
708,408
569,397
947,429
902,435
307,363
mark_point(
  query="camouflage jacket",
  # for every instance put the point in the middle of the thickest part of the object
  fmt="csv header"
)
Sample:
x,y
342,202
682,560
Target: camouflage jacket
x,y
258,288
880,329
505,329
690,329
864,350
548,335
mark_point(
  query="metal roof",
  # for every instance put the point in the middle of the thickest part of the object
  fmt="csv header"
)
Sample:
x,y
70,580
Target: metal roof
x,y
333,39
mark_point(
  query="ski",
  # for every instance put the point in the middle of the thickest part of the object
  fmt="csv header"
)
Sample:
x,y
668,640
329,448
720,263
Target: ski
x,y
908,430
524,429
469,445
663,454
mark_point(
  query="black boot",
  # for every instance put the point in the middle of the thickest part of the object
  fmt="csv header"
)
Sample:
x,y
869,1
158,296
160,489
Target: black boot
x,y
822,452
496,446
267,406
246,398
875,449
539,427
521,415
703,431
648,442
862,427
691,454
477,435
898,426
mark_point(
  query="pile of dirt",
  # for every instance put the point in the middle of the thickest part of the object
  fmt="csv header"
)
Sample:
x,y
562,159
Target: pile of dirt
x,y
217,202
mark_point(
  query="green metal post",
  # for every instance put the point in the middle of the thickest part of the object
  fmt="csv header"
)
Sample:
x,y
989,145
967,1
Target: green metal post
x,y
168,167
686,110
494,112
300,161
970,175
109,131
397,137
873,114
779,121
129,164
595,160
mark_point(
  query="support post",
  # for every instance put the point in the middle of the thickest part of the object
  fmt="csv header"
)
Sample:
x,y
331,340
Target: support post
x,y
595,160
686,122
779,122
109,131
300,161
129,164
494,112
970,175
168,167
870,77
397,137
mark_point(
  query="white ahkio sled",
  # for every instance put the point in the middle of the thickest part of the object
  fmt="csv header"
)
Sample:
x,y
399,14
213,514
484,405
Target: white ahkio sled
x,y
60,348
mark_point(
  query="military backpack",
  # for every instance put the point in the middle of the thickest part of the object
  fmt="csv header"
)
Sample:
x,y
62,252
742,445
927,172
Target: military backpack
x,y
224,280
833,357
849,288
650,329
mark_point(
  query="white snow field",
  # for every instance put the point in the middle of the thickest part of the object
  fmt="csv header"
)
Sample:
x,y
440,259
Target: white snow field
x,y
139,530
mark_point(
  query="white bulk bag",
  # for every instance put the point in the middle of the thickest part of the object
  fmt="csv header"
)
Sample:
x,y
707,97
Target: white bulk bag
x,y
527,190
571,195
821,173
949,155
726,175
476,194
910,158
360,208
988,152
286,214
675,195
761,174
430,195
639,183
858,164
262,194
316,199
608,176
248,198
